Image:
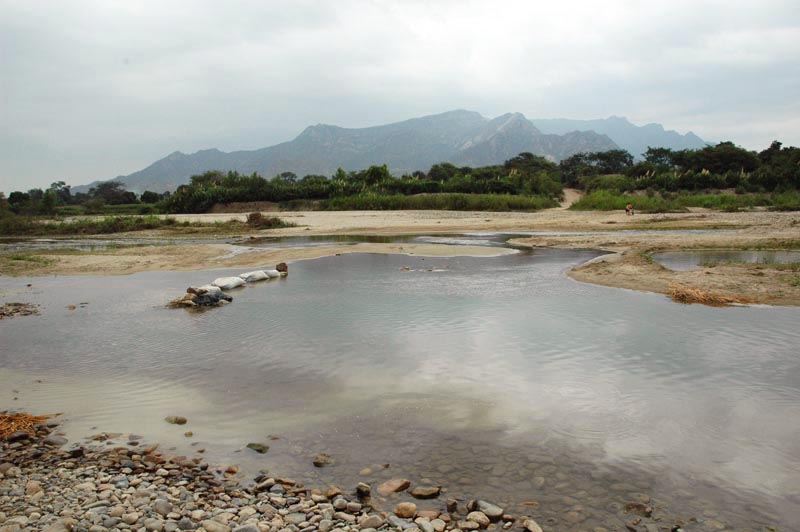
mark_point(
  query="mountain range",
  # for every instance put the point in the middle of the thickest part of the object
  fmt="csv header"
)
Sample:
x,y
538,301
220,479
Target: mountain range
x,y
464,138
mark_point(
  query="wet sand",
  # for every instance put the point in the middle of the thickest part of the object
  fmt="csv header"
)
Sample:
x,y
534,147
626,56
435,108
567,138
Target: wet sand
x,y
612,231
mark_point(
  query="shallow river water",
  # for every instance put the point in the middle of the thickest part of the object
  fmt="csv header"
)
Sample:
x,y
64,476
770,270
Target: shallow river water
x,y
495,377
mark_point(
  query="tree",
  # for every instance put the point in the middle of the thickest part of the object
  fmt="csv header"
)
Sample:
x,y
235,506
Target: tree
x,y
150,197
443,172
288,177
724,157
660,157
112,193
48,203
62,192
377,174
17,198
527,162
211,177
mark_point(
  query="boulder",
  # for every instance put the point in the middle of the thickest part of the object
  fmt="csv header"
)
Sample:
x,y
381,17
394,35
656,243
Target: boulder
x,y
176,420
283,268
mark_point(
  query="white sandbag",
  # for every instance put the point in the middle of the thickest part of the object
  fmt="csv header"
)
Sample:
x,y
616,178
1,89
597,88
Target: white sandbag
x,y
272,273
257,275
226,283
209,288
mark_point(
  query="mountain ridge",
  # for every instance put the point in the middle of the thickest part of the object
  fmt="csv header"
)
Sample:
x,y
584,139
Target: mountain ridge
x,y
462,137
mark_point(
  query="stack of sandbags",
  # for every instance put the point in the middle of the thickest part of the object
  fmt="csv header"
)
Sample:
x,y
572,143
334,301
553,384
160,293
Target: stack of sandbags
x,y
212,295
201,297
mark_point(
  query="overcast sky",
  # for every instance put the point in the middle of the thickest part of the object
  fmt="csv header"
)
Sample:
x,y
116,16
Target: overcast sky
x,y
91,90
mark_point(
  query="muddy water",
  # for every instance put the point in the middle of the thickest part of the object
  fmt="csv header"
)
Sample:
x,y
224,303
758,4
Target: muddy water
x,y
498,377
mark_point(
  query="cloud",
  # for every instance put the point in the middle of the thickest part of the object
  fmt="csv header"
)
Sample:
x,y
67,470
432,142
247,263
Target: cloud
x,y
91,90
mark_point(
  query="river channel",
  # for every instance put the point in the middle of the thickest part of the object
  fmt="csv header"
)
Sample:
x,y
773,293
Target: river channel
x,y
496,377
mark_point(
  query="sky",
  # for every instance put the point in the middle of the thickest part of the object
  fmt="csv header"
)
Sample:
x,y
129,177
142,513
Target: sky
x,y
95,89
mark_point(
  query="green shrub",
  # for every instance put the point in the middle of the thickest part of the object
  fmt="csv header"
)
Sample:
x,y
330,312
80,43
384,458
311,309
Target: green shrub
x,y
452,202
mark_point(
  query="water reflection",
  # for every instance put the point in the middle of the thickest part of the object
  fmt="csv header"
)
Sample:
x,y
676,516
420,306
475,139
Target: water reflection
x,y
483,373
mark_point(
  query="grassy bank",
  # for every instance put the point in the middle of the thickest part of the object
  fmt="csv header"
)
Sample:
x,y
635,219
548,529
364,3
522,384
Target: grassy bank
x,y
27,226
604,200
446,202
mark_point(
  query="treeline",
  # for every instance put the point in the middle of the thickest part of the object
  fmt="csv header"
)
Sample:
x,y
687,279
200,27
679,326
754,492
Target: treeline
x,y
776,169
375,187
58,197
524,182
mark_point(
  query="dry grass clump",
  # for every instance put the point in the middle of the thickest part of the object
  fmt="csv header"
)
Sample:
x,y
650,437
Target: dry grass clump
x,y
10,423
688,294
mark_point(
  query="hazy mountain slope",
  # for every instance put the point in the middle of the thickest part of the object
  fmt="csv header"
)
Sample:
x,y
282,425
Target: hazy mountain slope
x,y
628,136
461,137
511,134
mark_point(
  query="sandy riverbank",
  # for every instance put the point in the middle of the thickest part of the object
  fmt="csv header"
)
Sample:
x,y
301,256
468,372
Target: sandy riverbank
x,y
612,231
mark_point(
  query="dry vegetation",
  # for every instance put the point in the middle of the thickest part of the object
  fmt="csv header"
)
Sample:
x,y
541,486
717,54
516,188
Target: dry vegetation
x,y
20,422
687,294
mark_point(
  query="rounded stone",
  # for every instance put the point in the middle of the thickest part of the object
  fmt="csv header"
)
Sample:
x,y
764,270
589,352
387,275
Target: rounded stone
x,y
405,510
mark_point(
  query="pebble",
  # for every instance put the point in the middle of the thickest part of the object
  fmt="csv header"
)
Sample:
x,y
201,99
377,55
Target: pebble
x,y
425,492
393,486
322,460
100,487
371,521
246,528
480,518
531,525
492,511
215,526
405,509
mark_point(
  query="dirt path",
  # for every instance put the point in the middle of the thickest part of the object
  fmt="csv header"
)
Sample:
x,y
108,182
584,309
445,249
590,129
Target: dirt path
x,y
571,195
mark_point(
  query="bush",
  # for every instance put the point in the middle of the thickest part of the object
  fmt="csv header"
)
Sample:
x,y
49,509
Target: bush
x,y
256,220
94,206
452,202
604,200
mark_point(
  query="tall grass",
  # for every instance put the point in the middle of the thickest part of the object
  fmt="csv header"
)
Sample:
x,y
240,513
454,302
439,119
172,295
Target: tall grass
x,y
604,200
447,202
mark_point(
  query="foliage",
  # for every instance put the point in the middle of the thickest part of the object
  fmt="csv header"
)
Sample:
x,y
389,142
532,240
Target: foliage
x,y
454,202
256,220
606,200
594,163
525,175
112,193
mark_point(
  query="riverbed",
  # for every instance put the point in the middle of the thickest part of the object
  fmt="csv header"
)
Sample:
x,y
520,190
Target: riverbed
x,y
497,377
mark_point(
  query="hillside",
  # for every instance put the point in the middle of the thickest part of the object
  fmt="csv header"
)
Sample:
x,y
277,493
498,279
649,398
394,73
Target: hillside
x,y
461,137
464,138
635,139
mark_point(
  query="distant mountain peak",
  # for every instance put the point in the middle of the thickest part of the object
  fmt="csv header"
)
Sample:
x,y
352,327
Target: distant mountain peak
x,y
459,136
635,139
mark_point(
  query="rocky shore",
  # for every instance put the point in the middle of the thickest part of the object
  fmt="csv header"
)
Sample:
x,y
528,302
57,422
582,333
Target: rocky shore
x,y
103,486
